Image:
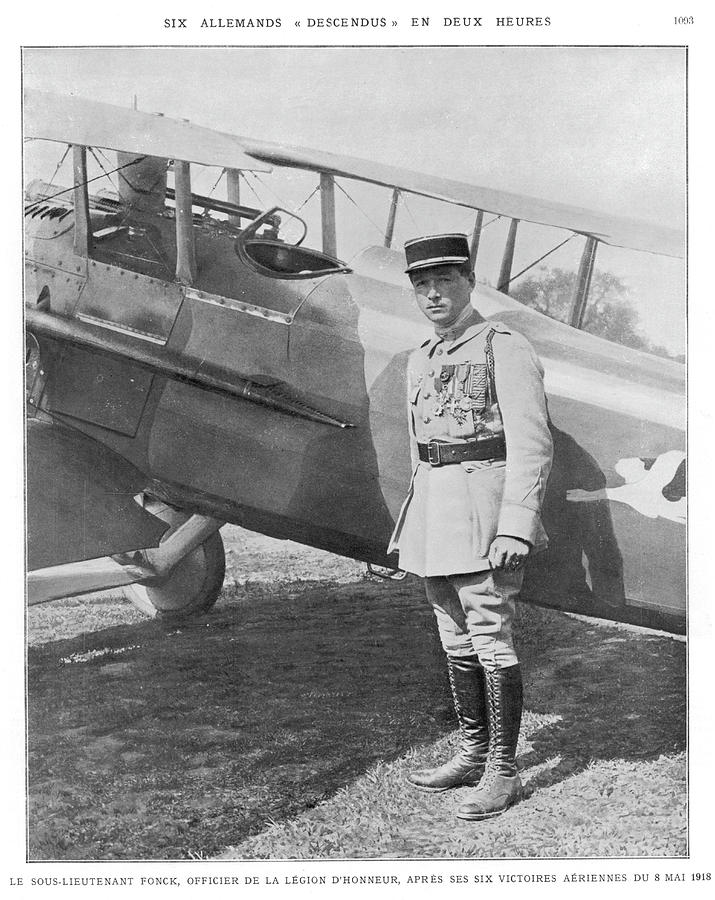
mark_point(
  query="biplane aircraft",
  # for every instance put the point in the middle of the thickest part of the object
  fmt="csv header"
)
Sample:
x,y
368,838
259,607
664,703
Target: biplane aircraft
x,y
191,362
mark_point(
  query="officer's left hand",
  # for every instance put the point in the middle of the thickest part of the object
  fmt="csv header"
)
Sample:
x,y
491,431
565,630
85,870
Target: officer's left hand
x,y
508,553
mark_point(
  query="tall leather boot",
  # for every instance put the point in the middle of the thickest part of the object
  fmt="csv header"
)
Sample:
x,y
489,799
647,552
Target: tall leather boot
x,y
466,679
500,786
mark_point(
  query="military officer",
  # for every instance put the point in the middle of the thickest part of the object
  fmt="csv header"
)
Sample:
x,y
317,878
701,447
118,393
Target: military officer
x,y
481,453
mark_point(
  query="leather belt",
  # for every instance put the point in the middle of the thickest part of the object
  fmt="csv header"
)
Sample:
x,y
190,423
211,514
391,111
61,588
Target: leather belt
x,y
437,453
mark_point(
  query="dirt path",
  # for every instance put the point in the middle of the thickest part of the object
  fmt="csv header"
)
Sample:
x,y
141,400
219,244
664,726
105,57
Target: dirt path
x,y
282,724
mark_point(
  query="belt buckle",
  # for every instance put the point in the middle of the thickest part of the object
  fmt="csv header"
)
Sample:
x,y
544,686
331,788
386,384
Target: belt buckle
x,y
433,453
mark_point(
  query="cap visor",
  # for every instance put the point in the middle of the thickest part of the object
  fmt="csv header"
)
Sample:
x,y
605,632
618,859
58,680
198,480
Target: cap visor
x,y
437,261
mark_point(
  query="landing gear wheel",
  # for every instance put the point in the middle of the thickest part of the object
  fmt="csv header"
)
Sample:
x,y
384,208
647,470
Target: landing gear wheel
x,y
195,583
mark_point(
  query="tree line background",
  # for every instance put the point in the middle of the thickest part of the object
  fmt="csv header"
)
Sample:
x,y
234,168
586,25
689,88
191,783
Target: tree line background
x,y
609,312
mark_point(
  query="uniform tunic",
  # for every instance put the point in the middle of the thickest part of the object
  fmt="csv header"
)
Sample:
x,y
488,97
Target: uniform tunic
x,y
453,512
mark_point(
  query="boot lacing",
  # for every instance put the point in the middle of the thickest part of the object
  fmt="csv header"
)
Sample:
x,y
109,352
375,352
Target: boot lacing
x,y
457,707
498,761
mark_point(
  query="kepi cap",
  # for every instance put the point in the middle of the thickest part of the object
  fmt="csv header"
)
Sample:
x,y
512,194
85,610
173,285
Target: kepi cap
x,y
436,250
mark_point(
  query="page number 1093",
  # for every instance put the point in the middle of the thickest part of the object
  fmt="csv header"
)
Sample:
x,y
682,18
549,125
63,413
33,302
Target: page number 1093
x,y
684,20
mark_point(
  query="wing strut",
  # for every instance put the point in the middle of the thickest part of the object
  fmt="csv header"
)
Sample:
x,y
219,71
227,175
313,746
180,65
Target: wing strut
x,y
81,201
327,212
583,282
233,192
508,258
185,252
476,237
392,216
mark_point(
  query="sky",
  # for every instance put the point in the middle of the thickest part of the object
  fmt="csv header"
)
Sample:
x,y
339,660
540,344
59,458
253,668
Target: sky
x,y
602,128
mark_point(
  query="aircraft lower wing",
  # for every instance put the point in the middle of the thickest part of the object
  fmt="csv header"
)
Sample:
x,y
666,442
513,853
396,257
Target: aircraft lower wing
x,y
80,499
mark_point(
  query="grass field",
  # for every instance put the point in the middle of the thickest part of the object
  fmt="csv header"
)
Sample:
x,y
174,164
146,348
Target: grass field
x,y
283,724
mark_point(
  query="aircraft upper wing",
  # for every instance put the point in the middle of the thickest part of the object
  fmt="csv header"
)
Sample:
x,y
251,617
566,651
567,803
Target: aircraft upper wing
x,y
620,232
74,120
88,122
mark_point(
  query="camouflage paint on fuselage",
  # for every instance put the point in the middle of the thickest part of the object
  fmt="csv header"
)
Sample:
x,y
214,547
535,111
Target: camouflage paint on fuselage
x,y
341,342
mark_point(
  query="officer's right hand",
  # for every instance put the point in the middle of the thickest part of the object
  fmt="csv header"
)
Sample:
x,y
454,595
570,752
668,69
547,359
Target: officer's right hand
x,y
508,553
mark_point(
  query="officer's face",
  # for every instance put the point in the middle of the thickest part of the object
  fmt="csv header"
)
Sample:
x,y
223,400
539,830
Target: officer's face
x,y
442,293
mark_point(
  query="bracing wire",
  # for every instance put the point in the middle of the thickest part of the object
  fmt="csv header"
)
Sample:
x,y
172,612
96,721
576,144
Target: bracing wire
x,y
221,174
309,197
267,187
409,212
99,163
125,215
159,255
157,251
404,202
360,209
59,164
536,261
83,183
490,222
252,189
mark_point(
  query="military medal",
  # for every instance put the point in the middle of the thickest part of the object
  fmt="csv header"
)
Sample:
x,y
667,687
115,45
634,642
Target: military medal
x,y
459,411
477,387
440,403
441,388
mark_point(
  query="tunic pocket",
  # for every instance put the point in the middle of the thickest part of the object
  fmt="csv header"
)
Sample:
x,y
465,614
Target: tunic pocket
x,y
485,487
473,465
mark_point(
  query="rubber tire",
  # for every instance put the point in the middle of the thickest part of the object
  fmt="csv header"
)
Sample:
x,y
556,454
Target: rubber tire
x,y
194,585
